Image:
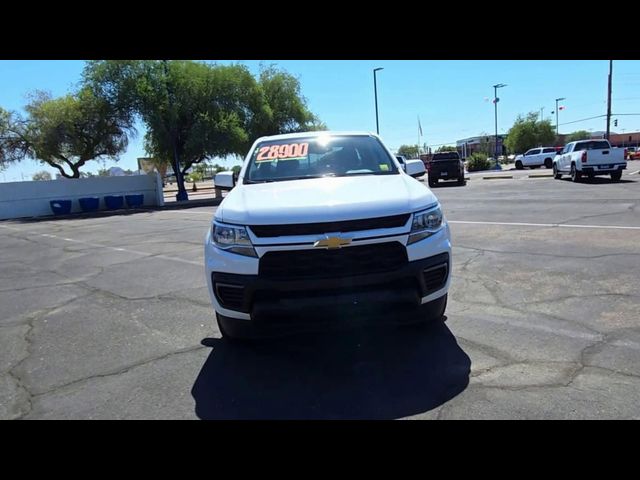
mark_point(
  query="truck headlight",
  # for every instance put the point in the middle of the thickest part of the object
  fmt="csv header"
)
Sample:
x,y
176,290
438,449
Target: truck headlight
x,y
232,238
425,223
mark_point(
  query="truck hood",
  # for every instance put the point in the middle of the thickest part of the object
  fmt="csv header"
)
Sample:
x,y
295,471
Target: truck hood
x,y
324,200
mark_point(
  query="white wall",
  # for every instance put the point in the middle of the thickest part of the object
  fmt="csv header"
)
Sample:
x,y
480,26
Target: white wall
x,y
31,199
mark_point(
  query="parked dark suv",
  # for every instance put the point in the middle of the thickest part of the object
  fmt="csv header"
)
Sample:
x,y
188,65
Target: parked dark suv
x,y
445,166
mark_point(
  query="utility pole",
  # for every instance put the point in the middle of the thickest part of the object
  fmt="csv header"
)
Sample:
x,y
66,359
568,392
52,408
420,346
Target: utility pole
x,y
609,99
541,113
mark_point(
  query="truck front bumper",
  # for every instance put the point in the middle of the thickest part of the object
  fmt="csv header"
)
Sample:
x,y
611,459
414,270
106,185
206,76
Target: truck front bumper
x,y
263,299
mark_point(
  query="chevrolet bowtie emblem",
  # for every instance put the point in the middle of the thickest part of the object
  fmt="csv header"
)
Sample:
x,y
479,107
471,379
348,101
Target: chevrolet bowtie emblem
x,y
332,242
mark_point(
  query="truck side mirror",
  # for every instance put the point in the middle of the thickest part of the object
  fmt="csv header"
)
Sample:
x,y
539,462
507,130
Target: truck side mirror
x,y
224,180
415,169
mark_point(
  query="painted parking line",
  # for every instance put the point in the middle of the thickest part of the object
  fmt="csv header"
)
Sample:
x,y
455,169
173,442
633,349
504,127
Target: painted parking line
x,y
545,225
107,247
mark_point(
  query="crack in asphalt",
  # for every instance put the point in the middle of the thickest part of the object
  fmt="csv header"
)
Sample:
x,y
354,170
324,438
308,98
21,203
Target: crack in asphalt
x,y
584,217
552,255
117,372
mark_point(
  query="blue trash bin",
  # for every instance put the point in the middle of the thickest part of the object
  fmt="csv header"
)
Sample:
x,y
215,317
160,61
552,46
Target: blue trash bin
x,y
114,202
89,204
60,207
136,200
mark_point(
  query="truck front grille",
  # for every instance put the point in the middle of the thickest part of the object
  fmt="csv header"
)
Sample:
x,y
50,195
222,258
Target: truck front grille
x,y
394,221
343,262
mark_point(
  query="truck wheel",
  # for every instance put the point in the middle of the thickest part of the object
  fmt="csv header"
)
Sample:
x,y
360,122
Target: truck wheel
x,y
616,176
557,175
461,181
519,165
548,162
576,176
433,183
236,331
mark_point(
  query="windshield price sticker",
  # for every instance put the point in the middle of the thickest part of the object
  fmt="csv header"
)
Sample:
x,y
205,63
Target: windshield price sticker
x,y
288,151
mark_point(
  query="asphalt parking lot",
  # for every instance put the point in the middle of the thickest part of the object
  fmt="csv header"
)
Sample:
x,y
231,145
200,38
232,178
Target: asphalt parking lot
x,y
109,317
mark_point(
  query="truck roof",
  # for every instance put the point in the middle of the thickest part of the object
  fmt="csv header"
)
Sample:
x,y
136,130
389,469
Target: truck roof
x,y
318,133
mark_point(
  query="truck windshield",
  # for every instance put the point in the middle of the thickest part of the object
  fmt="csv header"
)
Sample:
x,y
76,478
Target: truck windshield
x,y
594,145
313,157
446,156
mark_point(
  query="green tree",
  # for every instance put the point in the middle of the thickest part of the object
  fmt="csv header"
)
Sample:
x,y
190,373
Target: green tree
x,y
409,151
578,135
190,109
65,132
527,132
195,111
278,107
40,176
446,148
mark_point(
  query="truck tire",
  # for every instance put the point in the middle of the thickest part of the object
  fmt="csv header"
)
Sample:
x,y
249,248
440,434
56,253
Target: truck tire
x,y
236,331
461,181
576,176
548,162
616,176
557,175
433,183
519,165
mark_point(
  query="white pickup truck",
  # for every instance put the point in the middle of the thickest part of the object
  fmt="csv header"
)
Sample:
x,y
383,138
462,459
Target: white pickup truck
x,y
322,224
589,158
536,157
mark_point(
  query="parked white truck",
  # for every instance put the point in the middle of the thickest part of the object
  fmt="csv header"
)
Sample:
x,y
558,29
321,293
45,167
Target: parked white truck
x,y
589,158
321,221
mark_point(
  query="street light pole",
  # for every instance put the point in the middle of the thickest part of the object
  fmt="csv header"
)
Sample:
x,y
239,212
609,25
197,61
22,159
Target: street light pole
x,y
609,99
558,100
495,104
375,93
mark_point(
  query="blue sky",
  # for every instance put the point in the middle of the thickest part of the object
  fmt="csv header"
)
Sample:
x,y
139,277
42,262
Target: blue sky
x,y
452,97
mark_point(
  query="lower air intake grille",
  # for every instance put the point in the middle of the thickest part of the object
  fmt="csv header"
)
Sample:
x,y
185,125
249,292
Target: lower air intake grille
x,y
435,277
229,296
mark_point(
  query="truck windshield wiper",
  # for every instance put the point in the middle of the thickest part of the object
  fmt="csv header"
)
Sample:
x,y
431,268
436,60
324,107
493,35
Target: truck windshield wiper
x,y
249,182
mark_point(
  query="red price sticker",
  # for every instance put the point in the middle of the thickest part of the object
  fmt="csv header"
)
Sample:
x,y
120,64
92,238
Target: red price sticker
x,y
288,151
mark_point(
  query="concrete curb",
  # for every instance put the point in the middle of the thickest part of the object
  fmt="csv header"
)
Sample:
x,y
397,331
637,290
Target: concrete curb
x,y
497,176
540,175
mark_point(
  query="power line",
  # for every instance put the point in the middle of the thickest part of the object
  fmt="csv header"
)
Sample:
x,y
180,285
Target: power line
x,y
583,119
